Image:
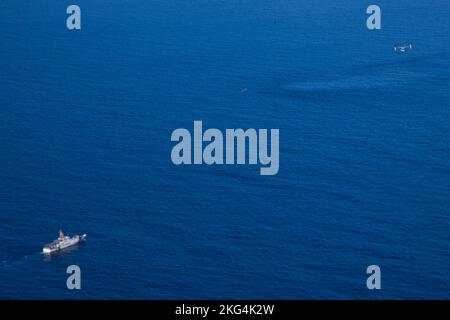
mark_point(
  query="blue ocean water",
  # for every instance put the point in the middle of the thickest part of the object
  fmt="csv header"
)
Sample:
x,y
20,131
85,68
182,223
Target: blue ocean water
x,y
85,124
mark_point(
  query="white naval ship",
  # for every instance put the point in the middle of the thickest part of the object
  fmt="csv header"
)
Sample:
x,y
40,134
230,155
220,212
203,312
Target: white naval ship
x,y
62,242
402,49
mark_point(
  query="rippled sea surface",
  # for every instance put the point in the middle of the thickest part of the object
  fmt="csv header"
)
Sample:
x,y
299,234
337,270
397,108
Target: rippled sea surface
x,y
85,125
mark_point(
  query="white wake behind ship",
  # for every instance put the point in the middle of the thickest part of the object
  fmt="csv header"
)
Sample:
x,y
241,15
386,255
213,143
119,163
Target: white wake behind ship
x,y
62,242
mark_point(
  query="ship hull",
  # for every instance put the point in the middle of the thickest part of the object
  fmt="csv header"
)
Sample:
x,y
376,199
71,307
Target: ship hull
x,y
63,244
